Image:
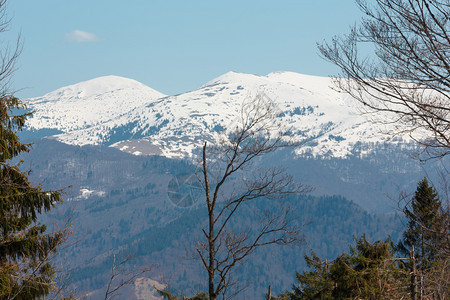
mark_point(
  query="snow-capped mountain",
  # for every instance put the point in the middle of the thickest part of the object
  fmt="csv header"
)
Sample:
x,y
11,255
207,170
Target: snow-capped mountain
x,y
132,117
76,108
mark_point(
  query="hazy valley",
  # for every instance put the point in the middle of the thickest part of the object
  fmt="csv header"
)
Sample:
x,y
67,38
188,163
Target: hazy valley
x,y
129,155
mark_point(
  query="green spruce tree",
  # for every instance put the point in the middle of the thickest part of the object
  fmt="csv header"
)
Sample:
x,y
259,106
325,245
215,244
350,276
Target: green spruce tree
x,y
25,247
426,230
316,283
370,271
427,234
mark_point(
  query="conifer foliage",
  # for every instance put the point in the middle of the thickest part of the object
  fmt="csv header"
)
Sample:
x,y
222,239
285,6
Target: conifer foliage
x,y
427,237
25,272
369,271
25,247
426,231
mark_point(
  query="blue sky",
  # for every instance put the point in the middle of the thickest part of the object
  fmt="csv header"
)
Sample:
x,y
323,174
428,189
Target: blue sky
x,y
171,46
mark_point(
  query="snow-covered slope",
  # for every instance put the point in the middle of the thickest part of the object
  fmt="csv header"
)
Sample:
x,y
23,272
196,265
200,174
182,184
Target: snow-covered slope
x,y
76,108
135,118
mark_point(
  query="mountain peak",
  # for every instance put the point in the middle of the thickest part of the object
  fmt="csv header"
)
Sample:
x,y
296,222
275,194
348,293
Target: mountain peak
x,y
98,86
232,76
102,100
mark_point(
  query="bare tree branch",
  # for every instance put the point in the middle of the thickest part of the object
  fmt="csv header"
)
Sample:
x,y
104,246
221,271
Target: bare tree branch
x,y
257,134
120,277
407,82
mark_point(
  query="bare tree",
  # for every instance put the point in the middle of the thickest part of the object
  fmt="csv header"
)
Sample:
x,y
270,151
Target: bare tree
x,y
8,55
120,277
408,78
224,248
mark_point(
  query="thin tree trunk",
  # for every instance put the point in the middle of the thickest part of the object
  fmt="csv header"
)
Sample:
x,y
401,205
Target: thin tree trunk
x,y
413,275
211,243
422,267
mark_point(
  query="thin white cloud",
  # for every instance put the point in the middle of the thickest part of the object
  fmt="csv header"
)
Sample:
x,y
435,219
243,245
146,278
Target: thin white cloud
x,y
81,36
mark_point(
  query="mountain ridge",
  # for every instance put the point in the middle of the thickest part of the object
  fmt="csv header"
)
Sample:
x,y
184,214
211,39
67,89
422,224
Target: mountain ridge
x,y
121,112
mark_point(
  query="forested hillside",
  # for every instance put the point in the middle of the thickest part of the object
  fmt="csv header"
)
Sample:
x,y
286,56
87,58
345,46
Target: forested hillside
x,y
138,215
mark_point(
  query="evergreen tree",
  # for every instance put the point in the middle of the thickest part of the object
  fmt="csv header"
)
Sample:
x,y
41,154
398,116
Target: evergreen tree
x,y
315,284
427,233
25,247
426,226
370,271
